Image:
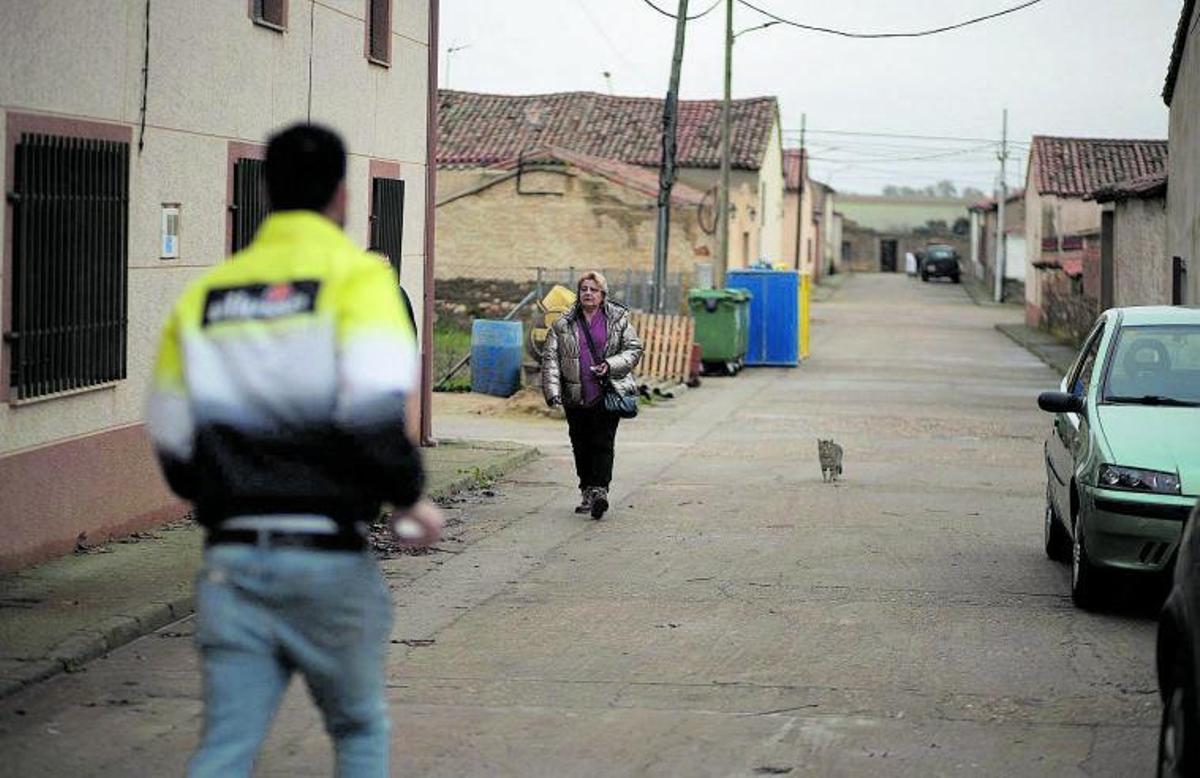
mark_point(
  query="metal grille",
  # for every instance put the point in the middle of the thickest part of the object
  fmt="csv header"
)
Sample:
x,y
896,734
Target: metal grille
x,y
379,32
70,264
249,205
632,288
387,218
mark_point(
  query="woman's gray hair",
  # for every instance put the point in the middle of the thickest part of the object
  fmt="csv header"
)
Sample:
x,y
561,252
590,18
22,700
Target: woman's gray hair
x,y
593,275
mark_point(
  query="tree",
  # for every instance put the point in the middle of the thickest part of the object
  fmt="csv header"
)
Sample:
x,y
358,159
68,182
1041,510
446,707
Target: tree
x,y
971,193
946,188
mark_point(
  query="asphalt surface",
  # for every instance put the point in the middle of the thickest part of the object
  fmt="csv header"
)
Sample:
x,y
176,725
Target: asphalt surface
x,y
733,615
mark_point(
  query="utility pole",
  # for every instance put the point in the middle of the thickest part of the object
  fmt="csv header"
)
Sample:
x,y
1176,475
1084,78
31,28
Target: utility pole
x,y
723,192
800,189
666,170
1001,249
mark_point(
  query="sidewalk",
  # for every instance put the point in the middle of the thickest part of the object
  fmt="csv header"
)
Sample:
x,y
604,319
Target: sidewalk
x,y
1046,347
57,616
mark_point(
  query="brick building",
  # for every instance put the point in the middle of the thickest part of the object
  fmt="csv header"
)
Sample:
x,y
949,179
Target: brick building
x,y
479,131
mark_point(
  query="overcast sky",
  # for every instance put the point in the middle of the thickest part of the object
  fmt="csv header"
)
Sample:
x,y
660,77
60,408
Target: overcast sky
x,y
1061,67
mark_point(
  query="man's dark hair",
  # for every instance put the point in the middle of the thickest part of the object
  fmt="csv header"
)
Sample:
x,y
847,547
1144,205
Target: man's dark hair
x,y
305,164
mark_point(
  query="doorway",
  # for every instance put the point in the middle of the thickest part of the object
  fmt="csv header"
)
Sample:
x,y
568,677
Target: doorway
x,y
887,256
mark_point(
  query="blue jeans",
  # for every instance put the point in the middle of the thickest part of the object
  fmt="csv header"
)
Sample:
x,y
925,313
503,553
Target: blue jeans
x,y
264,613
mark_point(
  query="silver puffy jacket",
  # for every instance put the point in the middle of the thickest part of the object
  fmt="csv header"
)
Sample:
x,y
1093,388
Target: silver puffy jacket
x,y
560,358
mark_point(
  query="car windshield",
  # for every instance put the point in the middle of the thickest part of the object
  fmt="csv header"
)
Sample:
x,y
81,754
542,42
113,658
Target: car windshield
x,y
1155,365
940,253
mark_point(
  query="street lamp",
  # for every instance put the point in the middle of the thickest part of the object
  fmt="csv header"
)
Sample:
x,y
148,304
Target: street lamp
x,y
726,132
451,50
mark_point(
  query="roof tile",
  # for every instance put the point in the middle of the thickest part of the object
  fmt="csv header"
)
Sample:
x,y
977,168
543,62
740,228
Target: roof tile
x,y
1075,167
483,129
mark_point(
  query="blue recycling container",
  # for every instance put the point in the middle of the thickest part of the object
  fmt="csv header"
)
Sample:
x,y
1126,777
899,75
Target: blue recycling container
x,y
774,314
497,349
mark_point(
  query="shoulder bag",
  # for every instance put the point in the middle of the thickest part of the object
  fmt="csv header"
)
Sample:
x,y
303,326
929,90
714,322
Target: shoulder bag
x,y
623,405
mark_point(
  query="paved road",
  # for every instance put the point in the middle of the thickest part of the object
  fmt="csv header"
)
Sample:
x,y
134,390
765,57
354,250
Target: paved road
x,y
734,616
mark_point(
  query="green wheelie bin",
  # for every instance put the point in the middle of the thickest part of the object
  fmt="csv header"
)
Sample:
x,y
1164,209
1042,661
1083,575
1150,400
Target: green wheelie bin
x,y
722,327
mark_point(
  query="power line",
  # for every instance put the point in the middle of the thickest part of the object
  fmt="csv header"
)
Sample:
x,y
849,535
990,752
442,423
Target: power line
x,y
940,155
876,35
853,133
670,15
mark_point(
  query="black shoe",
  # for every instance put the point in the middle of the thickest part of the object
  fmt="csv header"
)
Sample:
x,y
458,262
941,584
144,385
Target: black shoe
x,y
585,505
599,501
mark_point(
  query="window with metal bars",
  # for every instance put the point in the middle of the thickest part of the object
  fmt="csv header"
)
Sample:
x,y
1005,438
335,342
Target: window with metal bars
x,y
387,218
379,31
270,13
70,228
249,204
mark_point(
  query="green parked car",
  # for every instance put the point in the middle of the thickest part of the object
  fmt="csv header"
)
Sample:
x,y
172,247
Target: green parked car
x,y
1123,455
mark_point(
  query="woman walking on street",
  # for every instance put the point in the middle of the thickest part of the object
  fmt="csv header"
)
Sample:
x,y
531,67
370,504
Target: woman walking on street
x,y
590,350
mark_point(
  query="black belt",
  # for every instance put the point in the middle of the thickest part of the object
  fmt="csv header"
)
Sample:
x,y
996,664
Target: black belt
x,y
338,541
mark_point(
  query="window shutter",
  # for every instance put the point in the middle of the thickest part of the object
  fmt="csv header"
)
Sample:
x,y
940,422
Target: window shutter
x,y
271,12
379,31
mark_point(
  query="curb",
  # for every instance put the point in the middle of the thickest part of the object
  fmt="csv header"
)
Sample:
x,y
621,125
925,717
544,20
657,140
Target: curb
x,y
519,456
1033,348
93,642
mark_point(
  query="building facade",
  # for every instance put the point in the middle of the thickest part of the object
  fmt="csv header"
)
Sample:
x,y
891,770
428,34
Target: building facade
x,y
1135,266
478,131
1182,95
555,208
1061,175
878,231
134,139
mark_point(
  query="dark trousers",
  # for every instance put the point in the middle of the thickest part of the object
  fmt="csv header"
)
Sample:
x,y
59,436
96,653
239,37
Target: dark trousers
x,y
593,437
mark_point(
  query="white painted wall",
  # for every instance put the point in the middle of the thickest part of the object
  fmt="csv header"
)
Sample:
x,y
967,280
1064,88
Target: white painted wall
x,y
215,77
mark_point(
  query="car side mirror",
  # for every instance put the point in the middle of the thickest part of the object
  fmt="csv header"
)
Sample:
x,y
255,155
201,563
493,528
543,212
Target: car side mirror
x,y
1061,402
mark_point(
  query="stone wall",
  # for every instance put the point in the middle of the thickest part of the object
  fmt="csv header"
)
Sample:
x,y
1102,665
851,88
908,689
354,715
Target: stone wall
x,y
497,226
1141,265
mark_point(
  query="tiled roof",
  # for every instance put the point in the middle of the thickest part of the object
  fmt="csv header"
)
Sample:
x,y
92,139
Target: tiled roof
x,y
638,179
1136,188
1181,36
1075,167
482,129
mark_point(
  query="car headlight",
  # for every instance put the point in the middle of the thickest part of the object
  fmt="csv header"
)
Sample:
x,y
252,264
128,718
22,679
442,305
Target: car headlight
x,y
1138,480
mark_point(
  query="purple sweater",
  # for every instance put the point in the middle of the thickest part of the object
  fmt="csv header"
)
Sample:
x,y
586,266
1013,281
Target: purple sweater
x,y
592,390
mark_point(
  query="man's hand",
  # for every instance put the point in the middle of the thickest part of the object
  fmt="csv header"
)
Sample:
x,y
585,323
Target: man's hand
x,y
418,526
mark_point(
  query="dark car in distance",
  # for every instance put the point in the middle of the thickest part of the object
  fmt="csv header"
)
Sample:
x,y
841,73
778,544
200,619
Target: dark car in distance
x,y
1179,661
939,261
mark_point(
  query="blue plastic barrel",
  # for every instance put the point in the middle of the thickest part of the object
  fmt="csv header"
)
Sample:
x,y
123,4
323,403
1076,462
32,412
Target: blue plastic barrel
x,y
497,349
774,314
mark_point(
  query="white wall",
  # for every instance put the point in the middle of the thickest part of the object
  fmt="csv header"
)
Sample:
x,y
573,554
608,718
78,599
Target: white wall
x,y
214,77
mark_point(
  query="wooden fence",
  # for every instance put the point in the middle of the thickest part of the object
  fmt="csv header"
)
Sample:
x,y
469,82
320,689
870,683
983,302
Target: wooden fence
x,y
668,343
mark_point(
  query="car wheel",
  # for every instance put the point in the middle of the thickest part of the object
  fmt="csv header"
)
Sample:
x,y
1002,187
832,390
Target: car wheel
x,y
925,277
1177,744
1085,578
1058,545
955,278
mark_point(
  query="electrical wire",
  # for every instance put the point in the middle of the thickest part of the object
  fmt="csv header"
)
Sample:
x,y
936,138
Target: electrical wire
x,y
877,35
941,155
951,138
670,15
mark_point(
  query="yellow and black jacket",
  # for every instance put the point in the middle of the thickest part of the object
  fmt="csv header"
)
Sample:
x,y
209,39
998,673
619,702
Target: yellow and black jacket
x,y
281,378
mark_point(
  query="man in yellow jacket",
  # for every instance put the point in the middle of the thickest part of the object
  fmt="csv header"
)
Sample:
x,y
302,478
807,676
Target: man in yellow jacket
x,y
278,410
